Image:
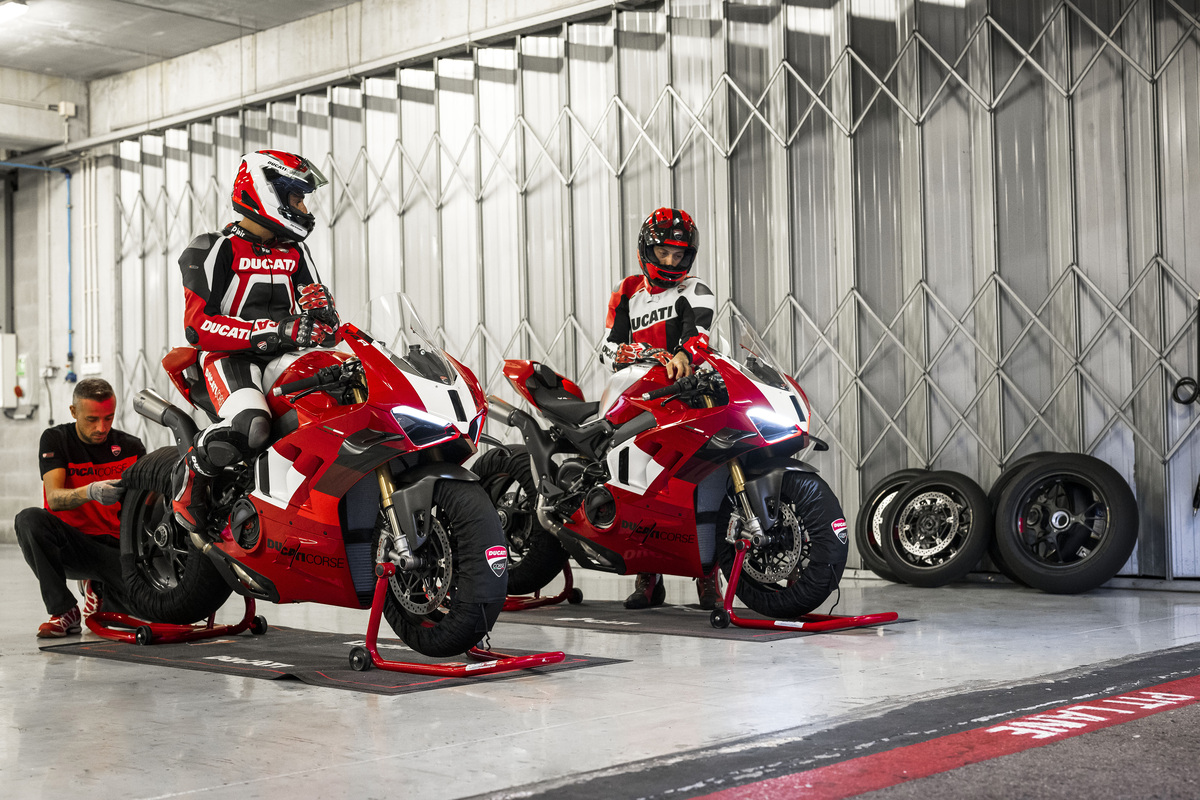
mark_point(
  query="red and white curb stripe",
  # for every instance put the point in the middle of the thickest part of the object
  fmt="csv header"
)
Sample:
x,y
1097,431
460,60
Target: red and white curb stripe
x,y
881,770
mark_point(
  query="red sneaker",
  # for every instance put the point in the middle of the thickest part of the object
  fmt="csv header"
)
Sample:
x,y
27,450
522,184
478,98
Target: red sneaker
x,y
648,591
91,600
62,625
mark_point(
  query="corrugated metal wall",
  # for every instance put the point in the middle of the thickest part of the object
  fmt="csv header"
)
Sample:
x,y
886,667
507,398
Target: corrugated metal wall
x,y
964,224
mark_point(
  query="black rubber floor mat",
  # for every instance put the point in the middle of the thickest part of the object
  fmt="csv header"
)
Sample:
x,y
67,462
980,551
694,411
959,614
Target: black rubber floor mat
x,y
320,659
612,616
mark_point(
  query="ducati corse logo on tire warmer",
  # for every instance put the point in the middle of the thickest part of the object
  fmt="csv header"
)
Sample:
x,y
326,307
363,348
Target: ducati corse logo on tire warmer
x,y
839,530
497,558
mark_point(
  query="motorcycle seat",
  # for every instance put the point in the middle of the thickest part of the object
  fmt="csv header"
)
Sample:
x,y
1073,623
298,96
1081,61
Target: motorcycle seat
x,y
546,387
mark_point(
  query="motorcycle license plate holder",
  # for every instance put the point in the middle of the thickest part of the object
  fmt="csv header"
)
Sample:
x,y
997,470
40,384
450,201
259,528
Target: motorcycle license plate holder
x,y
812,623
488,662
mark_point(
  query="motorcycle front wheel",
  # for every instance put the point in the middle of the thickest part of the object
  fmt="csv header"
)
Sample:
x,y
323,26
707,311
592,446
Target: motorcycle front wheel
x,y
450,603
802,563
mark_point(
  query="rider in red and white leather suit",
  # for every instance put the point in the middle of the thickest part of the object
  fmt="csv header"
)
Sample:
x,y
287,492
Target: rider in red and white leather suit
x,y
666,311
252,295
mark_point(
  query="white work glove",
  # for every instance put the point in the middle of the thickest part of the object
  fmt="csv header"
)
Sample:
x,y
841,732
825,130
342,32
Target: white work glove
x,y
105,492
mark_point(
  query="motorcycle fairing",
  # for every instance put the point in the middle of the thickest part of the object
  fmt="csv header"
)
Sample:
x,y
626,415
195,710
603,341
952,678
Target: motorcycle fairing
x,y
302,479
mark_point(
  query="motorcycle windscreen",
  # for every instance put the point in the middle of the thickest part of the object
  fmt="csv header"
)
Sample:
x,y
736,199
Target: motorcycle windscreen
x,y
737,341
398,331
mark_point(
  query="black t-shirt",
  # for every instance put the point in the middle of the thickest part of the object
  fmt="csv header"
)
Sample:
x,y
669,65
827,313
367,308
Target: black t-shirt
x,y
61,448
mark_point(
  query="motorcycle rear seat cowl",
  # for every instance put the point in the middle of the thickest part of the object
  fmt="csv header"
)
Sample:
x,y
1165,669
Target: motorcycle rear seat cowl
x,y
554,399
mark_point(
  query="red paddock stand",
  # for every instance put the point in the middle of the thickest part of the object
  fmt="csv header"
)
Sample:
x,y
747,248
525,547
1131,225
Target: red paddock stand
x,y
816,623
568,593
365,657
136,630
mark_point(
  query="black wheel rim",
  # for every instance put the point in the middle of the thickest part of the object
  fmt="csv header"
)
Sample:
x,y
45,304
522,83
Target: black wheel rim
x,y
932,527
514,506
1062,520
161,545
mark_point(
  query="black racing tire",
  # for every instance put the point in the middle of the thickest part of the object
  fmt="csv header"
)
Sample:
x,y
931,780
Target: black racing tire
x,y
488,465
868,526
166,578
474,591
1011,471
939,527
1066,523
805,572
1005,477
535,556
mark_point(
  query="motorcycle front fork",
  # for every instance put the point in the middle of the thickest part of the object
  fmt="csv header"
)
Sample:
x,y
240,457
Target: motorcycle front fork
x,y
399,553
751,530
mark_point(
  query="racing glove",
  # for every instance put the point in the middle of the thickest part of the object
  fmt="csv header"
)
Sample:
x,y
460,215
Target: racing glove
x,y
291,333
105,492
317,301
635,352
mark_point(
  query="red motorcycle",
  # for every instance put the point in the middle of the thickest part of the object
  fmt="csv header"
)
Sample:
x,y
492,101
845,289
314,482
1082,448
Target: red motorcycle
x,y
667,478
361,485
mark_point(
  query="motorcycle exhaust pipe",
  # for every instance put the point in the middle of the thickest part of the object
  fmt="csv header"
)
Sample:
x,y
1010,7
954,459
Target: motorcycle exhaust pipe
x,y
502,411
206,548
537,439
156,408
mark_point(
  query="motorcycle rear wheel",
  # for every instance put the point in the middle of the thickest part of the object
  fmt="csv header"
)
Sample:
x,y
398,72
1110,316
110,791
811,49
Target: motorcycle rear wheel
x,y
166,578
806,558
535,557
464,594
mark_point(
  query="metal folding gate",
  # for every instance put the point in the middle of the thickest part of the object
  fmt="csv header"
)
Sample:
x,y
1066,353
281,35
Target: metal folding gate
x,y
962,224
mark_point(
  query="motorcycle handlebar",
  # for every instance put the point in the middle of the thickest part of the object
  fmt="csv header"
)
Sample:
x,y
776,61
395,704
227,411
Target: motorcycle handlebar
x,y
663,392
323,376
681,385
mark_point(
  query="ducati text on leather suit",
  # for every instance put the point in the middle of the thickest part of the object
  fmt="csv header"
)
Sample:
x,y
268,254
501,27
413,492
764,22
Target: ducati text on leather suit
x,y
675,319
231,281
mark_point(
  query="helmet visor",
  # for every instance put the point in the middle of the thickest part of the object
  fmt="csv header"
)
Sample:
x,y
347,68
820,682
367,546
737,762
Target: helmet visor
x,y
307,179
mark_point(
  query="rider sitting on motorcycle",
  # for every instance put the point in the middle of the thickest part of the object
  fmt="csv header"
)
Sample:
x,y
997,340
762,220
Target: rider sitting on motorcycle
x,y
252,296
664,314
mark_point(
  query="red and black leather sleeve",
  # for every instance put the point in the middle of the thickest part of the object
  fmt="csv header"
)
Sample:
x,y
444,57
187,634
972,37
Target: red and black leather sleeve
x,y
689,329
207,267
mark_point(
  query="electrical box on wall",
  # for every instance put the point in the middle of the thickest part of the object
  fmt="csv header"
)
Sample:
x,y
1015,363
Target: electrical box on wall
x,y
8,370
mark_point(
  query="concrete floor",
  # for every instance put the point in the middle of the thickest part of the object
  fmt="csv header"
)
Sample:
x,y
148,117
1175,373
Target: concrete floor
x,y
110,729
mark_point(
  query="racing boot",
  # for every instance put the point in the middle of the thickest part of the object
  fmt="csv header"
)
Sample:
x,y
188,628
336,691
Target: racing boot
x,y
708,589
648,591
190,482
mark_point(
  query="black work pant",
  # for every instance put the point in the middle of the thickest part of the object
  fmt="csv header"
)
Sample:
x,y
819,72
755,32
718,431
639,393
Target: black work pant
x,y
56,552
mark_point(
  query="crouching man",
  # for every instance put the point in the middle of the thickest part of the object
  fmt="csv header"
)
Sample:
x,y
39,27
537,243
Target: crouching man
x,y
76,533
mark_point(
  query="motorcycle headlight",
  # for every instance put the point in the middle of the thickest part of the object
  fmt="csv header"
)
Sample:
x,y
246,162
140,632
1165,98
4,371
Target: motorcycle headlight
x,y
423,429
771,426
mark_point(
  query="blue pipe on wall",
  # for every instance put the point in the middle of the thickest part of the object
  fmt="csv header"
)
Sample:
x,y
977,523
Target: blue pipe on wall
x,y
70,300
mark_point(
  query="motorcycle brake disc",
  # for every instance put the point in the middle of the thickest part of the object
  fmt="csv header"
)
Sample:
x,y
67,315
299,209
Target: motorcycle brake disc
x,y
780,560
422,591
928,524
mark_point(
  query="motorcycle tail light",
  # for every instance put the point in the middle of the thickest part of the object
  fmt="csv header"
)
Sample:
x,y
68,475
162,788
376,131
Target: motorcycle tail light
x,y
423,429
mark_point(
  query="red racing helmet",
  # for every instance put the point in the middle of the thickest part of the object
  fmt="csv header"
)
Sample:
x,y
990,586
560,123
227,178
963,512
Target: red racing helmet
x,y
672,227
265,180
